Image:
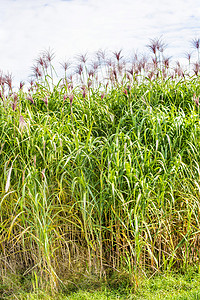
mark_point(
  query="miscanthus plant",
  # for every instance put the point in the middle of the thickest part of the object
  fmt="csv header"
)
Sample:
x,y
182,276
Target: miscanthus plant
x,y
100,171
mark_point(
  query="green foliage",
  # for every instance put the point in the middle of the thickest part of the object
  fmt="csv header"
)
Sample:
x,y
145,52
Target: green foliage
x,y
96,184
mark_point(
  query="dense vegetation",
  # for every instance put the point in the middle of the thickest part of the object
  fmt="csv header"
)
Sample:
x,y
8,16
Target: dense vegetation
x,y
100,172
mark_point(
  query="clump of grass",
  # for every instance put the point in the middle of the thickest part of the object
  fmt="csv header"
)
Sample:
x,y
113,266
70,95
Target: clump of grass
x,y
100,171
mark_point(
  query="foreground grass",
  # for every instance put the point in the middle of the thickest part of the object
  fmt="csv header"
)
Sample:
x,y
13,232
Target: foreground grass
x,y
171,286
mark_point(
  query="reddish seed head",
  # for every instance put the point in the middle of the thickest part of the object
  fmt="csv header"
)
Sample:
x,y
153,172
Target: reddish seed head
x,y
70,86
102,95
150,75
196,68
143,61
82,58
95,65
166,62
36,71
137,71
155,63
21,85
156,44
115,74
196,43
15,97
71,77
91,73
40,61
118,55
101,55
31,82
48,55
84,93
152,46
131,70
164,73
188,55
128,77
8,80
71,97
30,98
79,69
89,83
120,68
125,92
66,65
139,67
14,104
109,62
2,78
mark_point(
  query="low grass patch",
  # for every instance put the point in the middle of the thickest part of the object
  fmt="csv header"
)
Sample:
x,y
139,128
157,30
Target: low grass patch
x,y
170,286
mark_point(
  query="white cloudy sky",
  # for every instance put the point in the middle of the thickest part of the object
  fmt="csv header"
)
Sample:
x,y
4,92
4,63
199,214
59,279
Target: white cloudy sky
x,y
70,27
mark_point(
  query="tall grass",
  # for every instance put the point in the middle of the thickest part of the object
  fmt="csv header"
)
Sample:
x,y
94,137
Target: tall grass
x,y
100,176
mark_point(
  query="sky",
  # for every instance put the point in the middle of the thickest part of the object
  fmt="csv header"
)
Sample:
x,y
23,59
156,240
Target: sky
x,y
71,27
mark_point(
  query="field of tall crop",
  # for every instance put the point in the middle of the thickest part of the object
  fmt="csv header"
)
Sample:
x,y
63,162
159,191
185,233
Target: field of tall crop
x,y
100,171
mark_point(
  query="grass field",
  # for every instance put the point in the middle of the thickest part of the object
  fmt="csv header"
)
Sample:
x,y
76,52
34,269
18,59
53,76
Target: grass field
x,y
100,175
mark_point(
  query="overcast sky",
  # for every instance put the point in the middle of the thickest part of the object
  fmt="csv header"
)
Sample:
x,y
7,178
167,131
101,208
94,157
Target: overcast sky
x,y
71,27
